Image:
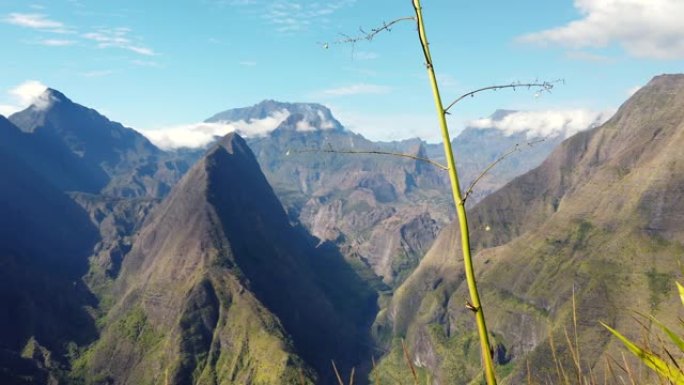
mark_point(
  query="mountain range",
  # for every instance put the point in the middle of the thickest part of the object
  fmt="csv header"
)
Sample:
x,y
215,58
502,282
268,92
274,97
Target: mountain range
x,y
382,210
261,260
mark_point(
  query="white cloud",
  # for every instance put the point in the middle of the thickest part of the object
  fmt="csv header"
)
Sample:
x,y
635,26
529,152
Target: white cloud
x,y
25,94
200,134
28,91
103,37
56,42
248,63
35,21
190,135
97,73
118,38
548,123
293,16
644,28
357,89
7,110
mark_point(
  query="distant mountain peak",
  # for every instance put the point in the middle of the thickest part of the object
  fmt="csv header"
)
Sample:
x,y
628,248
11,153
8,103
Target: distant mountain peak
x,y
47,99
55,94
501,114
233,143
269,115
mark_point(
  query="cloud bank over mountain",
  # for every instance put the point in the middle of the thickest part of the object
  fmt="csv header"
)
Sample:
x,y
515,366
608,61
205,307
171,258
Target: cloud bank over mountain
x,y
545,123
25,94
200,134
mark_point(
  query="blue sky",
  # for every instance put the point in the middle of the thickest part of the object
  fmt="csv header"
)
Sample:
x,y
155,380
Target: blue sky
x,y
158,64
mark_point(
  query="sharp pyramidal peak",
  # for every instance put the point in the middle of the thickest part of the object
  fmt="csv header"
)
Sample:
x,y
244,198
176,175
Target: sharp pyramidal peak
x,y
224,285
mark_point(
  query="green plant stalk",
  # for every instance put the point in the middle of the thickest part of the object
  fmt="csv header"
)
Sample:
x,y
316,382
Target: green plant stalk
x,y
459,204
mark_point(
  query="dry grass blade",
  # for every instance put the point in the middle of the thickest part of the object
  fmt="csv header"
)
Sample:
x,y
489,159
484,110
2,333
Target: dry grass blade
x,y
409,363
559,367
337,374
674,361
574,324
622,380
575,358
630,375
351,376
592,378
609,370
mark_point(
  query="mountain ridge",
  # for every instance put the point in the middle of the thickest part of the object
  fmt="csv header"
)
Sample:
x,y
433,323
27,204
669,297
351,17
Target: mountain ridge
x,y
579,226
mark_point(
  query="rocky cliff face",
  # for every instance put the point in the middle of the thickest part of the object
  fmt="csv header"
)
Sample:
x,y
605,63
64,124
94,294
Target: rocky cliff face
x,y
598,219
366,204
220,288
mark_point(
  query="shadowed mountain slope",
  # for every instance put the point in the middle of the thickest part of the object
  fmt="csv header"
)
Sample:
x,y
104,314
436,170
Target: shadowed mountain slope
x,y
45,241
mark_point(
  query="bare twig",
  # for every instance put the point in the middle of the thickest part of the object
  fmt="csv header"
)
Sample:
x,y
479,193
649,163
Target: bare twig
x,y
503,156
545,86
374,152
368,36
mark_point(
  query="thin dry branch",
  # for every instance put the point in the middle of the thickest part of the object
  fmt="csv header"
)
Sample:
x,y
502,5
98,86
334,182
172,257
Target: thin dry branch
x,y
501,158
374,152
545,86
368,36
